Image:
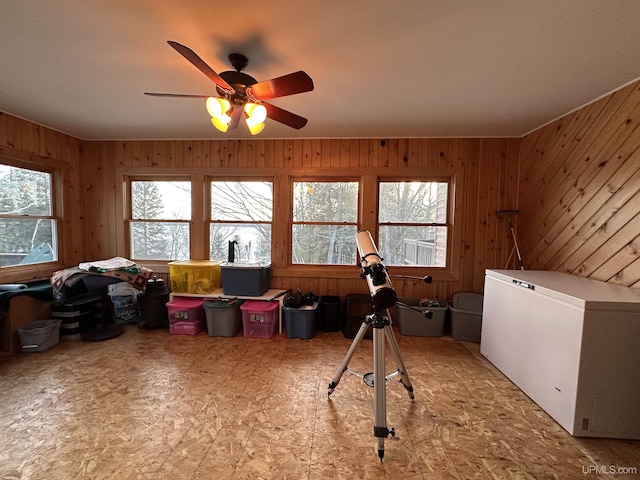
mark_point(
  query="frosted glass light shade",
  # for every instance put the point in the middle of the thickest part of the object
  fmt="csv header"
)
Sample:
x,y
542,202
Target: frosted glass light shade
x,y
221,123
257,112
217,106
254,127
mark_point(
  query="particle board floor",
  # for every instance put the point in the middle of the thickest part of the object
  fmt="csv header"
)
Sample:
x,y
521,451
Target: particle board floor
x,y
158,406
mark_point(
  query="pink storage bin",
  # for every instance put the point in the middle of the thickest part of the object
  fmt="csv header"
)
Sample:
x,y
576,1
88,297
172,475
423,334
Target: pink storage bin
x,y
259,319
186,316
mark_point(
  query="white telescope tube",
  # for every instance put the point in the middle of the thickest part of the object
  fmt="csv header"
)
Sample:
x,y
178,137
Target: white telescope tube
x,y
382,293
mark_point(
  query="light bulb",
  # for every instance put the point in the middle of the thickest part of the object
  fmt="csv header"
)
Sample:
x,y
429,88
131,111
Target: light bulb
x,y
254,127
257,112
220,123
217,106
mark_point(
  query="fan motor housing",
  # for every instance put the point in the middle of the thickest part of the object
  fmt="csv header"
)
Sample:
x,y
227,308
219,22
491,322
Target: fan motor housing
x,y
239,81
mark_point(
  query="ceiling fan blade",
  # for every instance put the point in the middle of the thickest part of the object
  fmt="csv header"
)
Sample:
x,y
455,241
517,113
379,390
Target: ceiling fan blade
x,y
297,82
177,95
283,116
201,65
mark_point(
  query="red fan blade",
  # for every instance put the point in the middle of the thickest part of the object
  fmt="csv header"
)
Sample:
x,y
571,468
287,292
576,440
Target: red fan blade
x,y
200,64
298,82
178,95
283,116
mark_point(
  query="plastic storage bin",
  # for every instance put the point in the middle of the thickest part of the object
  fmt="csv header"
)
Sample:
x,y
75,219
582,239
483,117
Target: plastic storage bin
x,y
466,316
194,276
186,316
300,322
414,323
259,319
330,313
224,317
245,279
39,335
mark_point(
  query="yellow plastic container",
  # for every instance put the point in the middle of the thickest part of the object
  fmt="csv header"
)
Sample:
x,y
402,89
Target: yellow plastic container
x,y
194,276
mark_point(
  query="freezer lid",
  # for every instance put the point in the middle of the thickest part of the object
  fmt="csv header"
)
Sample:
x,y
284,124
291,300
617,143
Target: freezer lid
x,y
582,292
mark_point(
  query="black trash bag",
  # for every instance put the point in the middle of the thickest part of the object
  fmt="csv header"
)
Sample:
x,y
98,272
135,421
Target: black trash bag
x,y
299,299
430,302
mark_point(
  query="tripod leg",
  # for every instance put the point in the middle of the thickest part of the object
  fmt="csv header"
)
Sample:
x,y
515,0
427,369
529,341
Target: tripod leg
x,y
402,369
347,358
380,430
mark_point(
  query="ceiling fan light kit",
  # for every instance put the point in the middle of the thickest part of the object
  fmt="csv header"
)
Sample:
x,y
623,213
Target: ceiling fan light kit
x,y
217,106
241,95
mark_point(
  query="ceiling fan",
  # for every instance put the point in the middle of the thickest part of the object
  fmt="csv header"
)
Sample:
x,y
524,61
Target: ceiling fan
x,y
241,95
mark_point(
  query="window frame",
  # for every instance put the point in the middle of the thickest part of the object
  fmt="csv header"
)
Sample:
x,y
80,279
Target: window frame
x,y
292,222
370,179
56,171
208,221
282,178
127,209
446,224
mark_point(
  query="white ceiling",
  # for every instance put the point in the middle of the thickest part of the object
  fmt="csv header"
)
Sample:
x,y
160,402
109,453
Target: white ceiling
x,y
381,68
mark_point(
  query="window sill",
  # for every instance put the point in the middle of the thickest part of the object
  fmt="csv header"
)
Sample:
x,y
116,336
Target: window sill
x,y
346,272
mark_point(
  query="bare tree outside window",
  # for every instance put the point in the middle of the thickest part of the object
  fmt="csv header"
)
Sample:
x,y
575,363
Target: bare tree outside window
x,y
159,227
325,216
241,211
412,218
27,220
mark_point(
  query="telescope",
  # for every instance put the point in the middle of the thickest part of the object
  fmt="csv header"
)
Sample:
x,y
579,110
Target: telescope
x,y
383,294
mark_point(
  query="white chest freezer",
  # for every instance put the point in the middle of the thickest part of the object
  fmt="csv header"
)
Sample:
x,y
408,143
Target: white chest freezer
x,y
571,344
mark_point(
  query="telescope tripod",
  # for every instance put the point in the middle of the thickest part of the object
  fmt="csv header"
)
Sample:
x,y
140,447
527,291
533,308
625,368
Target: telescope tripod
x,y
381,330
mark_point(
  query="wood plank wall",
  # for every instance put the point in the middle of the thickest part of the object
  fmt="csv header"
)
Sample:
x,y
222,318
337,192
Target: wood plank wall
x,y
580,191
31,145
576,183
490,182
90,218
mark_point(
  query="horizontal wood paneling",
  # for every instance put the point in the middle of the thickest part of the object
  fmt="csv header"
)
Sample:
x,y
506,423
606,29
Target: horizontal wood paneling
x,y
580,191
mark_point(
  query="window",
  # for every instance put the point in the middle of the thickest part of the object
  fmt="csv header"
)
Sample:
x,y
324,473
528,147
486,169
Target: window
x,y
28,223
241,212
325,222
160,211
412,220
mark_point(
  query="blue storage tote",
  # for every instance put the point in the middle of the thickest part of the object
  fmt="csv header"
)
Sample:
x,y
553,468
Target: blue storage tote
x,y
300,322
245,279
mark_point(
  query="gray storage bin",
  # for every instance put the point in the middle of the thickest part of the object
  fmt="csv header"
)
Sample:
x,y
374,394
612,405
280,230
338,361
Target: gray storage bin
x,y
39,335
466,316
224,317
412,322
